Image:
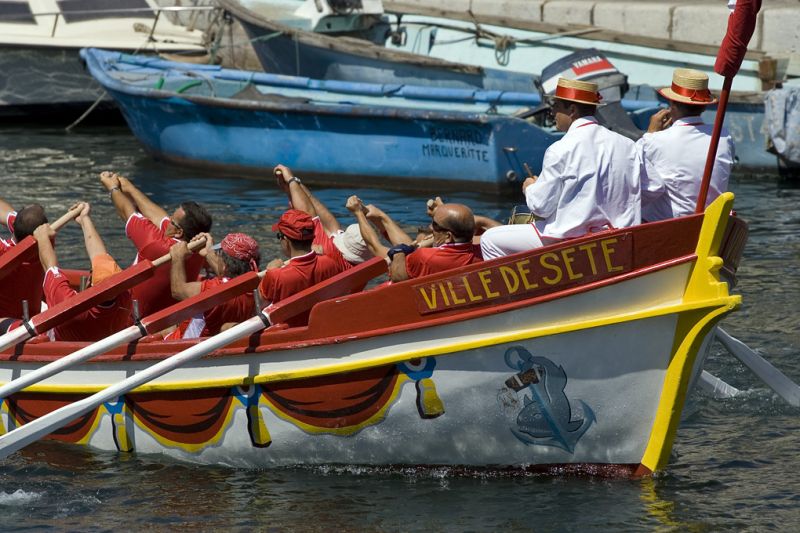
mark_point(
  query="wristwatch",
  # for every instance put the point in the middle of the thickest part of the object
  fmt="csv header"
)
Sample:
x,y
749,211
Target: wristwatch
x,y
295,180
112,189
400,248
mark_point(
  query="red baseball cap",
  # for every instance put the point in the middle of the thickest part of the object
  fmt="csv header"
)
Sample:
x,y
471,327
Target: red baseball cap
x,y
296,225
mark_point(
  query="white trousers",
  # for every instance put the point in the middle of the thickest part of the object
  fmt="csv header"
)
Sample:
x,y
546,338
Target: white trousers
x,y
506,240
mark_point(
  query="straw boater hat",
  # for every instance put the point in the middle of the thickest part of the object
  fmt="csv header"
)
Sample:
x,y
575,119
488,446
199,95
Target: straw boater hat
x,y
582,92
689,86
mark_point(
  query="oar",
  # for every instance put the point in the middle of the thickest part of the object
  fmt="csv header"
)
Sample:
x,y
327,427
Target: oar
x,y
83,301
26,250
174,314
716,387
36,429
283,310
774,378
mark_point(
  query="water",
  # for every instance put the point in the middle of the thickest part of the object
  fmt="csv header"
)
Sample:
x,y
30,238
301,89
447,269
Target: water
x,y
734,465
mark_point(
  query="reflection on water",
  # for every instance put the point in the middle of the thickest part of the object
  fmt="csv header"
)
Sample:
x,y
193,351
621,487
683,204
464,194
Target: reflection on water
x,y
734,461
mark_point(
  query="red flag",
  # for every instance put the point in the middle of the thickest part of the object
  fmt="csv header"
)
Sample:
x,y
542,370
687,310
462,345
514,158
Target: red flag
x,y
741,25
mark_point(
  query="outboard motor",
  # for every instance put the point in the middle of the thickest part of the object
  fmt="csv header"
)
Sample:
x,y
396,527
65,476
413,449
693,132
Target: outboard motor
x,y
340,16
592,65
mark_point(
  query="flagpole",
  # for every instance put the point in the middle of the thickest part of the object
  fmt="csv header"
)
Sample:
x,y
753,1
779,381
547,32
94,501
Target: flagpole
x,y
712,149
741,25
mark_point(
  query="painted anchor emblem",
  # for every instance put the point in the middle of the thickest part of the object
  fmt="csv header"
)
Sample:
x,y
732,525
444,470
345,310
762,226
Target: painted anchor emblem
x,y
546,415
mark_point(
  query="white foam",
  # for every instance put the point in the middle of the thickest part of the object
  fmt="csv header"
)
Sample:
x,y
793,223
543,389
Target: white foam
x,y
18,497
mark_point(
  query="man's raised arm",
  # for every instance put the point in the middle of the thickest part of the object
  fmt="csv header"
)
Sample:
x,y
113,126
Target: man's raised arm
x,y
147,207
91,238
122,202
44,235
368,233
294,188
181,288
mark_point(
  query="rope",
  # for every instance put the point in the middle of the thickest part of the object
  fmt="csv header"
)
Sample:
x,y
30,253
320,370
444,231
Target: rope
x,y
502,49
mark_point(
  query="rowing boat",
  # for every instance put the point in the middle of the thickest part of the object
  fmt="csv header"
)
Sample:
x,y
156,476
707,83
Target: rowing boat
x,y
573,357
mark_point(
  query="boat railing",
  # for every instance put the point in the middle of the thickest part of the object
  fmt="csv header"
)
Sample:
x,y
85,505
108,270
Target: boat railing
x,y
116,11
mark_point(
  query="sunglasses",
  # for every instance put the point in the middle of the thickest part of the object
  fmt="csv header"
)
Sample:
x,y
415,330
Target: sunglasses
x,y
279,236
177,226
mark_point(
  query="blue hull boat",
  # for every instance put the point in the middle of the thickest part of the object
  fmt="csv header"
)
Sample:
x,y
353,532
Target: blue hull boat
x,y
441,52
390,136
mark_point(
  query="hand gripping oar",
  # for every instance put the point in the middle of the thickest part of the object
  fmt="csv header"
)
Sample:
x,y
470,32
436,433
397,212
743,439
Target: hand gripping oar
x,y
26,250
72,307
774,378
158,321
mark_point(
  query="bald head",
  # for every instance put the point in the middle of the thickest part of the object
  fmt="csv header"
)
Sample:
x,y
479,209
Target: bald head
x,y
457,219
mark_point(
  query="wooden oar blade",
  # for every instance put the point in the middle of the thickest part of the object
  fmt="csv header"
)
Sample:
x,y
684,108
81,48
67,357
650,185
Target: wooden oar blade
x,y
107,290
24,251
178,312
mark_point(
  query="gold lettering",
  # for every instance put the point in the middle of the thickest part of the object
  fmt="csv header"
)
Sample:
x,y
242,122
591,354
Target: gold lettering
x,y
555,268
590,254
472,297
444,294
430,301
566,255
485,282
456,299
607,252
512,284
523,273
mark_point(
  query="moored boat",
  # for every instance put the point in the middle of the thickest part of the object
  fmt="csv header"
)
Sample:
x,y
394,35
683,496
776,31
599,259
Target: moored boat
x,y
387,135
468,50
40,41
577,356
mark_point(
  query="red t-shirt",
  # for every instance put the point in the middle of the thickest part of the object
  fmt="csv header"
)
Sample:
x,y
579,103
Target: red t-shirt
x,y
24,284
97,323
426,261
236,309
151,242
328,248
298,274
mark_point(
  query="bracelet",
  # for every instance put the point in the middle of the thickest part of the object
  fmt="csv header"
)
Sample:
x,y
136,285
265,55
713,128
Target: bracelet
x,y
295,180
112,189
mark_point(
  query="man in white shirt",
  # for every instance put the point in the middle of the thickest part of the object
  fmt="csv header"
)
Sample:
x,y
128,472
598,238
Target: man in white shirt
x,y
589,181
675,148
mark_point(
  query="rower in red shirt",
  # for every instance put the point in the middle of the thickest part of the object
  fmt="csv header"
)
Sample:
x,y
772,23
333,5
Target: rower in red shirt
x,y
345,246
304,268
101,320
26,281
153,233
235,255
453,229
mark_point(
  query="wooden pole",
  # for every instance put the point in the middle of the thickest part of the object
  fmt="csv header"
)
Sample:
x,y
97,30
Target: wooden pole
x,y
712,148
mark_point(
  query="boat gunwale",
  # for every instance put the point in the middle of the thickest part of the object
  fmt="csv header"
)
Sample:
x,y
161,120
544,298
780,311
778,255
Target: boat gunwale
x,y
303,336
354,110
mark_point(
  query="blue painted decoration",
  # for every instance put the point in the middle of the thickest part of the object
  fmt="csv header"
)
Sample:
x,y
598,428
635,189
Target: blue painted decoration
x,y
546,417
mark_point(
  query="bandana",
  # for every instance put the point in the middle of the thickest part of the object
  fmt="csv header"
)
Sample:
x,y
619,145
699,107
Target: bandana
x,y
242,247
